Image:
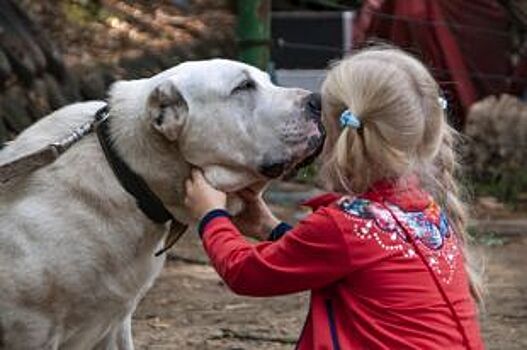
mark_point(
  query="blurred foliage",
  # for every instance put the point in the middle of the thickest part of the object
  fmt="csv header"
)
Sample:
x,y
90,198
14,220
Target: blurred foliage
x,y
488,238
307,174
495,156
83,12
507,186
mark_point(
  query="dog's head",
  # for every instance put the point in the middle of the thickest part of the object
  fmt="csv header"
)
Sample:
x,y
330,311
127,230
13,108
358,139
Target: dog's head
x,y
228,119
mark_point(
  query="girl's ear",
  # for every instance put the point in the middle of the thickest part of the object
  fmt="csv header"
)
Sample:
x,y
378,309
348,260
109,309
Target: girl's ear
x,y
167,110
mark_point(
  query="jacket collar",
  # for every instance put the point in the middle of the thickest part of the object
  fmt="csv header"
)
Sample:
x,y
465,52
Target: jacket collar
x,y
323,200
406,193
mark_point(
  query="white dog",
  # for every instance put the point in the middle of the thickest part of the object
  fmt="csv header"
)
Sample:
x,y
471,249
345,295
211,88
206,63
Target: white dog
x,y
76,252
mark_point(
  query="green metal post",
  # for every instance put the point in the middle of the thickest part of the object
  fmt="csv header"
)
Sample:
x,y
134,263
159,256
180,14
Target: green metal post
x,y
254,32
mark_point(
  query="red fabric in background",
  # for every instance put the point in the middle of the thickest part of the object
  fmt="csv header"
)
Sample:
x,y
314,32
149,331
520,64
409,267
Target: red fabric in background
x,y
466,44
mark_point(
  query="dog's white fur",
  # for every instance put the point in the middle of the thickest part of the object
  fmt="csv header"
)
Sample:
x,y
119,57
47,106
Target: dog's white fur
x,y
76,254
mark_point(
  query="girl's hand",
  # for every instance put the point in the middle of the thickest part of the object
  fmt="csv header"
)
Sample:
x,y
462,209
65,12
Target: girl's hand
x,y
256,219
201,197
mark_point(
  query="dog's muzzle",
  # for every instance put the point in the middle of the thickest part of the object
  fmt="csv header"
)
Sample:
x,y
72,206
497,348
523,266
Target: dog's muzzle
x,y
312,112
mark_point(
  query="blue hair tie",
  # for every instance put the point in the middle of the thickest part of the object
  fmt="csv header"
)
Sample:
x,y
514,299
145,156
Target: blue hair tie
x,y
349,119
443,103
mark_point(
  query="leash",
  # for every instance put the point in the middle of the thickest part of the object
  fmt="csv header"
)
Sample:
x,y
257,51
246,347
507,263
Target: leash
x,y
436,280
146,200
44,156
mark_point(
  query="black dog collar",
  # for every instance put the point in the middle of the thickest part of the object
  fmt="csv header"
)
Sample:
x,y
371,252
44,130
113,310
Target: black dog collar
x,y
147,201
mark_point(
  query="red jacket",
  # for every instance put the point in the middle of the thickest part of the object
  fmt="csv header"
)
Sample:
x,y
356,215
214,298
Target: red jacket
x,y
363,260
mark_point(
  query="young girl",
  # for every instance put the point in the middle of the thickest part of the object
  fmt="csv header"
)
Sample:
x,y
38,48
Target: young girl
x,y
385,259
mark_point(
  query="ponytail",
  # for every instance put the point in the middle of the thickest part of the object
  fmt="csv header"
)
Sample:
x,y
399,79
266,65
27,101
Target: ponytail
x,y
449,195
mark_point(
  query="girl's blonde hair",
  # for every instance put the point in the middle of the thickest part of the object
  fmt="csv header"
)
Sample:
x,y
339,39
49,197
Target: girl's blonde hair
x,y
403,131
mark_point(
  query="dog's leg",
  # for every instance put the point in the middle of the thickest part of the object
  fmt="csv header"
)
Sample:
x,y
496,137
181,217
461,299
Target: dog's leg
x,y
124,335
107,343
118,338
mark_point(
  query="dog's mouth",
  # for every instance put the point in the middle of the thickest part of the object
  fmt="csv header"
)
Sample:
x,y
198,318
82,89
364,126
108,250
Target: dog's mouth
x,y
305,151
315,146
288,168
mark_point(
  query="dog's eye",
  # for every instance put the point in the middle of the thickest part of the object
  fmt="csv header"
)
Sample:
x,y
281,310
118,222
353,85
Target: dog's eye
x,y
244,86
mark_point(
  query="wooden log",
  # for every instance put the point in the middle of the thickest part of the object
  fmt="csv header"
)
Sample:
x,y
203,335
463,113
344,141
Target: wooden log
x,y
69,86
4,134
92,86
5,66
25,56
53,58
172,57
140,67
148,23
108,76
56,98
38,99
14,107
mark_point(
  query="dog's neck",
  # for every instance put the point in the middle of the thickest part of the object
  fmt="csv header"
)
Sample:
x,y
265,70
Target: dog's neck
x,y
146,151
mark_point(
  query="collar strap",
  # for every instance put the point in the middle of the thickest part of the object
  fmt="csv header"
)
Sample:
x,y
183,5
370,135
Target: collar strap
x,y
145,198
135,185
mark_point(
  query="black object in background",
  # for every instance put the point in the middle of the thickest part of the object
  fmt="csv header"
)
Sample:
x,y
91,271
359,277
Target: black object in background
x,y
309,40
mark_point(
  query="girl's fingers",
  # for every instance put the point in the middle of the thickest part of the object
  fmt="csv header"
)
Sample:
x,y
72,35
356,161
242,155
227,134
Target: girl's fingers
x,y
196,174
189,186
247,195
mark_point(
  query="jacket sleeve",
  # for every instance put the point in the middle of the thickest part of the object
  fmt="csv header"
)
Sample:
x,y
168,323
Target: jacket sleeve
x,y
309,256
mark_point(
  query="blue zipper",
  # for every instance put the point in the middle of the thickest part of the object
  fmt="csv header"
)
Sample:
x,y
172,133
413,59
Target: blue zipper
x,y
332,325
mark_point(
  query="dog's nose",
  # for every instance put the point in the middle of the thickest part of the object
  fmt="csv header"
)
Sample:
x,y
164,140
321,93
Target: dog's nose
x,y
314,104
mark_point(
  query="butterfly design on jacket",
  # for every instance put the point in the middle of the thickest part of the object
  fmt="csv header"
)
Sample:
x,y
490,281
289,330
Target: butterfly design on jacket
x,y
430,226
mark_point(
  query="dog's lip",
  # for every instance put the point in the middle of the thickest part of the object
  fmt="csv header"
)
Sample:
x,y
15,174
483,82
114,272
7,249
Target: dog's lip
x,y
288,168
274,170
316,147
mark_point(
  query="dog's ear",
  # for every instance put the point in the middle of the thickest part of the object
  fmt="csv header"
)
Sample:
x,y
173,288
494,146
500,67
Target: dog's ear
x,y
167,110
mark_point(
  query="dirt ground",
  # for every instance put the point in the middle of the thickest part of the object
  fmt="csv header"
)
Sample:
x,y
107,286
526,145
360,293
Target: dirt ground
x,y
190,308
